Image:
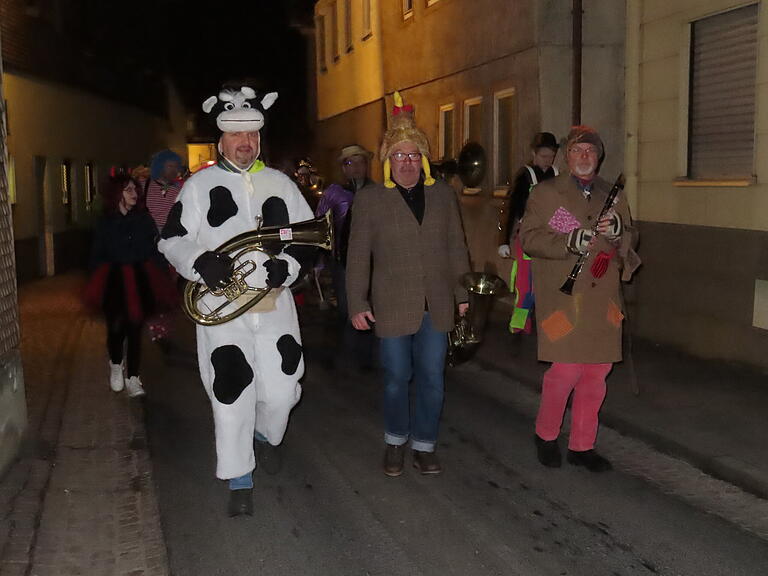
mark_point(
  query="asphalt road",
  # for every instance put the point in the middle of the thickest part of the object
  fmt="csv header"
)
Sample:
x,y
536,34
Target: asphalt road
x,y
494,510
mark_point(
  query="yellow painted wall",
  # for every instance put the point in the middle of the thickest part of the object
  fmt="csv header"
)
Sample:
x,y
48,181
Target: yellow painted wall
x,y
660,101
356,77
58,122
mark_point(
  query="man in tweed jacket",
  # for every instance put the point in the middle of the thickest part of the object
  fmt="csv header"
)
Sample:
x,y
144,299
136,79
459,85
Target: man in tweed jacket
x,y
406,255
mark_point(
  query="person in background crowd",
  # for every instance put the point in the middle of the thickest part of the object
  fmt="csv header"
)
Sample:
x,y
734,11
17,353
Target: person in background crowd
x,y
129,280
544,147
580,334
162,188
338,198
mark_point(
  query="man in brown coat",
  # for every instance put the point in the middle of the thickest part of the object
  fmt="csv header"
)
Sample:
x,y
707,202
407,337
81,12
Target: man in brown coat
x,y
406,256
579,333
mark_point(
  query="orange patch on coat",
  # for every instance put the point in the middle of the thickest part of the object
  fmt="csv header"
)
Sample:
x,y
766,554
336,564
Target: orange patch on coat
x,y
556,326
614,315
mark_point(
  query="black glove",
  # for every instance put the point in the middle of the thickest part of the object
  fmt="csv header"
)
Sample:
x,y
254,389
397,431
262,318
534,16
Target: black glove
x,y
277,272
215,269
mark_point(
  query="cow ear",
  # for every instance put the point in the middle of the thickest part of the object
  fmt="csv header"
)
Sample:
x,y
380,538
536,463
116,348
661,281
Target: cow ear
x,y
268,100
248,92
209,104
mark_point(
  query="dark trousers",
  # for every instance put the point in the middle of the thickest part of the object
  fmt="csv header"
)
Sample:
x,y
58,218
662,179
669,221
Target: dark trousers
x,y
119,332
357,346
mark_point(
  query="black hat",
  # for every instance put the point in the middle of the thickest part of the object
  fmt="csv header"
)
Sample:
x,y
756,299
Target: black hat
x,y
544,140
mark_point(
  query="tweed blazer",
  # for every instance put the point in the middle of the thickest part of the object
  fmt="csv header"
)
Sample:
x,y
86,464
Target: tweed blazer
x,y
395,265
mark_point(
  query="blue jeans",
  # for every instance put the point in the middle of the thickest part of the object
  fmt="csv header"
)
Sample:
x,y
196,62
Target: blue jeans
x,y
420,357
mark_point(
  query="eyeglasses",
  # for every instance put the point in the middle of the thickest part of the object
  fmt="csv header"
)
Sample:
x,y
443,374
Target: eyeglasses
x,y
401,156
579,150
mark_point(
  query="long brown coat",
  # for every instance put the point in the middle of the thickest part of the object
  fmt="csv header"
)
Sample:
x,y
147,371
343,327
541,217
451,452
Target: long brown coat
x,y
403,264
586,326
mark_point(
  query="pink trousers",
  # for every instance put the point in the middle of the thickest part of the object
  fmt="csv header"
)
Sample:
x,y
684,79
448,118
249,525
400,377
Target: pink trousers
x,y
587,382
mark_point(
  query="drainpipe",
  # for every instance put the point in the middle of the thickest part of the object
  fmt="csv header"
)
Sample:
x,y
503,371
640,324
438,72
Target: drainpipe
x,y
576,45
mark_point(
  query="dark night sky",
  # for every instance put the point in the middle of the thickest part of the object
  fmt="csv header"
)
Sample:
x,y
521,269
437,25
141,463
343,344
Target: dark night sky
x,y
253,40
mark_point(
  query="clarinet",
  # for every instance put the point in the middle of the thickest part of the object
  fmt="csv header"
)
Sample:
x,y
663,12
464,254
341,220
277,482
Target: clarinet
x,y
618,186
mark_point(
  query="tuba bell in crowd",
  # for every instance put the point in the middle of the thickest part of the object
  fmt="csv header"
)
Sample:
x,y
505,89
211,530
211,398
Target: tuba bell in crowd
x,y
213,307
467,334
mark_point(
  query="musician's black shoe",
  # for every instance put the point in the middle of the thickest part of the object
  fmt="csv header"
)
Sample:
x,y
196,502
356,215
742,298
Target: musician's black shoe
x,y
548,452
240,503
590,459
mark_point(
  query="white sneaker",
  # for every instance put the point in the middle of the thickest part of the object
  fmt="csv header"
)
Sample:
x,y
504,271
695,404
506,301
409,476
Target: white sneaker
x,y
116,379
134,387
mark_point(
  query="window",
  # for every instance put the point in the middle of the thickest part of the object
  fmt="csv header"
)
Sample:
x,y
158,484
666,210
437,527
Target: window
x,y
445,127
321,53
11,174
367,30
66,188
90,184
473,120
430,2
721,112
503,138
407,9
348,25
335,30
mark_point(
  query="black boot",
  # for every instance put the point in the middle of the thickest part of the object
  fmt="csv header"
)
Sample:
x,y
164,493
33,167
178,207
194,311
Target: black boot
x,y
548,452
590,459
240,503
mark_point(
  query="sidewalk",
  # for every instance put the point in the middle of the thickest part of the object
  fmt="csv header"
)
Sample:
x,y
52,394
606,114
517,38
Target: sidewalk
x,y
80,499
710,413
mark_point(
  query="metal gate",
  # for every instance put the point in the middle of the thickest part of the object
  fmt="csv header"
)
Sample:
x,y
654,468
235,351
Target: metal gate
x,y
13,412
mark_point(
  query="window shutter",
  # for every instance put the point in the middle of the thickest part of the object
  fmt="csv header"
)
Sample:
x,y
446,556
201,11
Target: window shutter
x,y
722,95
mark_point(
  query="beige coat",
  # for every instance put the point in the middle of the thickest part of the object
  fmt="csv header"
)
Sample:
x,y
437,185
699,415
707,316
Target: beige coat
x,y
394,265
586,326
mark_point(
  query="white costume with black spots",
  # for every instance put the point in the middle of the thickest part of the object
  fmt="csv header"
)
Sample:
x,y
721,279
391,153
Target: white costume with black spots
x,y
250,366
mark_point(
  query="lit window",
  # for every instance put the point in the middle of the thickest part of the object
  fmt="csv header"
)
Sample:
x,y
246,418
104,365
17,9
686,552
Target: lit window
x,y
430,2
446,132
503,137
66,188
721,121
11,174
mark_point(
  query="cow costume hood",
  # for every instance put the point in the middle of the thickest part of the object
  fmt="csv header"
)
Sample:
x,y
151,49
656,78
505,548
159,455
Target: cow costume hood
x,y
239,110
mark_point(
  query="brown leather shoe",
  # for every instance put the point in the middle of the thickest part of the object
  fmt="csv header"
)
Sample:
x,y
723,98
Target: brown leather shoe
x,y
426,462
394,456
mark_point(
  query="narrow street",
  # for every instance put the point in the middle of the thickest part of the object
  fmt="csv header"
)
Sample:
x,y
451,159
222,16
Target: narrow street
x,y
494,510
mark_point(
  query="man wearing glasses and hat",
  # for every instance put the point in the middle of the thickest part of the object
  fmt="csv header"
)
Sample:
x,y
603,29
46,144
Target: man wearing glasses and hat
x,y
354,161
407,255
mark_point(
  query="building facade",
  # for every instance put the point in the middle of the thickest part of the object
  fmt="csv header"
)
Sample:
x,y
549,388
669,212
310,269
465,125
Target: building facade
x,y
76,105
697,151
489,71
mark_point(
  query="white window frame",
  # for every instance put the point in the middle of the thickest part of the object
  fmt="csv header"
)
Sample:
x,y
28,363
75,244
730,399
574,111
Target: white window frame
x,y
499,189
468,103
441,128
321,48
407,9
430,2
367,28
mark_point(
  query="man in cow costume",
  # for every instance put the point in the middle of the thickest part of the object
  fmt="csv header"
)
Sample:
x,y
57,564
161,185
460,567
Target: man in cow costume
x,y
251,365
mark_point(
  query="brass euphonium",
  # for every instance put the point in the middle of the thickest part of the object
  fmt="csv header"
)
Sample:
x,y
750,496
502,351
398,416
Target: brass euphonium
x,y
212,307
468,331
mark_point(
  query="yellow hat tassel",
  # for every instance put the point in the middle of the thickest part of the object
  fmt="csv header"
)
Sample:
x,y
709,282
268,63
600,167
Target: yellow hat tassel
x,y
387,175
428,180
